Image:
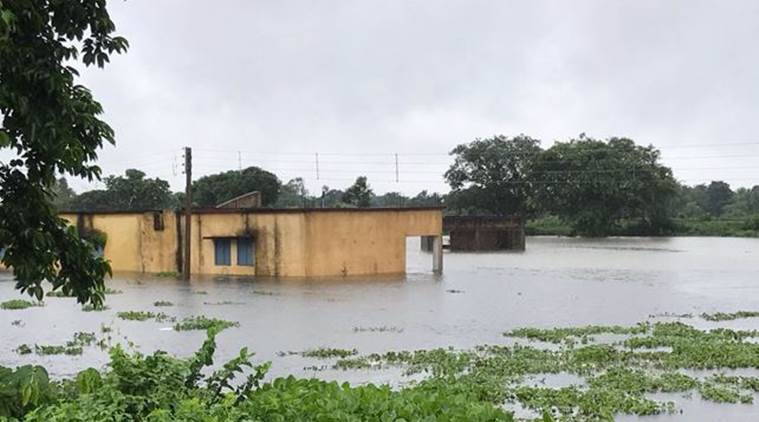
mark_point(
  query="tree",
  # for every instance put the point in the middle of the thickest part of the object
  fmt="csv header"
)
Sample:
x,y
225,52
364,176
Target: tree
x,y
359,194
293,193
62,194
331,197
425,199
596,185
493,175
390,199
211,190
52,126
130,193
744,203
716,196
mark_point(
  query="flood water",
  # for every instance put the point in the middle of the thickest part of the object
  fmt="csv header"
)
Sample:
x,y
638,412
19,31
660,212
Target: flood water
x,y
556,282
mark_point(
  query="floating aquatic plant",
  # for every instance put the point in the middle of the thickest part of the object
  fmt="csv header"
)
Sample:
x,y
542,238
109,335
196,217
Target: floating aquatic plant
x,y
15,304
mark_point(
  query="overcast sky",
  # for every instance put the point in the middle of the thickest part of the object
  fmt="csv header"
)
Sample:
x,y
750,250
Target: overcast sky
x,y
271,83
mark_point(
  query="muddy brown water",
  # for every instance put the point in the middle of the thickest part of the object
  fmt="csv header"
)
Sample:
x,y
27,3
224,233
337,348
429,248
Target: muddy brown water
x,y
556,282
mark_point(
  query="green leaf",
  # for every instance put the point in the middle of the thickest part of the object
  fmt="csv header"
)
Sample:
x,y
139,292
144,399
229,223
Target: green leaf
x,y
5,140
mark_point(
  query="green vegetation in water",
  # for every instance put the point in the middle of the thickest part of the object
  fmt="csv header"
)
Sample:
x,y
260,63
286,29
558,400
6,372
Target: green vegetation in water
x,y
200,292
224,302
162,303
203,323
618,377
167,274
15,304
73,347
557,335
263,293
17,323
144,316
94,308
110,291
721,316
162,388
381,329
328,353
670,315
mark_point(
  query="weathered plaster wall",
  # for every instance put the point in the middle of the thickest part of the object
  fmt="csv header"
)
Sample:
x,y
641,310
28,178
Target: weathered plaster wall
x,y
313,242
132,242
288,243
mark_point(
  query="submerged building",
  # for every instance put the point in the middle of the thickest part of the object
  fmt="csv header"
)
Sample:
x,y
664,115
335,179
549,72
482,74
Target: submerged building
x,y
264,241
485,233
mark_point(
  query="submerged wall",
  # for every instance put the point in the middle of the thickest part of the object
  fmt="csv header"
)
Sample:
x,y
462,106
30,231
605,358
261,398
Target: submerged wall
x,y
485,233
315,242
287,242
135,242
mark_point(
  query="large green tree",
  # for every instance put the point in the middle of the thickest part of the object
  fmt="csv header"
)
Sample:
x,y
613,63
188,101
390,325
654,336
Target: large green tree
x,y
62,193
716,196
293,194
597,185
493,175
211,190
359,194
51,125
130,192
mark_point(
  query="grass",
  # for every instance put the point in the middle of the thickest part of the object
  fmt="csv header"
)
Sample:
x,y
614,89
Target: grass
x,y
15,304
162,303
204,323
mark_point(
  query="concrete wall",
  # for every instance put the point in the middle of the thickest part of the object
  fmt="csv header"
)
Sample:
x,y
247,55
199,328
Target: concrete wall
x,y
306,243
288,243
485,233
132,243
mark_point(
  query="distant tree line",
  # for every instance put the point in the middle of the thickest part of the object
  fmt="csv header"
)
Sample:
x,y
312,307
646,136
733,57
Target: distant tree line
x,y
593,187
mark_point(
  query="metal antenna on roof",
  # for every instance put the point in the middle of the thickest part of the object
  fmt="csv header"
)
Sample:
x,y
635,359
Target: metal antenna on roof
x,y
317,165
396,167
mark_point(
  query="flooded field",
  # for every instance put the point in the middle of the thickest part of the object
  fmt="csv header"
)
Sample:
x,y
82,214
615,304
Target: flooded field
x,y
555,283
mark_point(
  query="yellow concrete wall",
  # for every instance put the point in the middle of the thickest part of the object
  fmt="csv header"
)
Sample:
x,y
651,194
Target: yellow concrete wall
x,y
314,243
132,242
309,243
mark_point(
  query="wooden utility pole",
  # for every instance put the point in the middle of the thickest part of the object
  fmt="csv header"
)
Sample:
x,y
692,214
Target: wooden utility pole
x,y
187,212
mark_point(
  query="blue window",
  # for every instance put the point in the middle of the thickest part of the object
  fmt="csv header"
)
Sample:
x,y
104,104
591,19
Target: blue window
x,y
246,251
222,251
99,251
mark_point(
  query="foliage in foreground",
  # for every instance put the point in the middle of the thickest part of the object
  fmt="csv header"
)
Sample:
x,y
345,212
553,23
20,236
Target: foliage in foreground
x,y
50,125
160,388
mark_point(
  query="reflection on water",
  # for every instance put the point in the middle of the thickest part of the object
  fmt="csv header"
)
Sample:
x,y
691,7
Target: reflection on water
x,y
556,282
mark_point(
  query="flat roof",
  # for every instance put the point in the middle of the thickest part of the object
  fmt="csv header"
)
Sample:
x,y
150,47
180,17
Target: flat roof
x,y
261,210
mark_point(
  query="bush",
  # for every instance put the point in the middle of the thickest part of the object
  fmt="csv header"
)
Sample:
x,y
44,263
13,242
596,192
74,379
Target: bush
x,y
161,388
